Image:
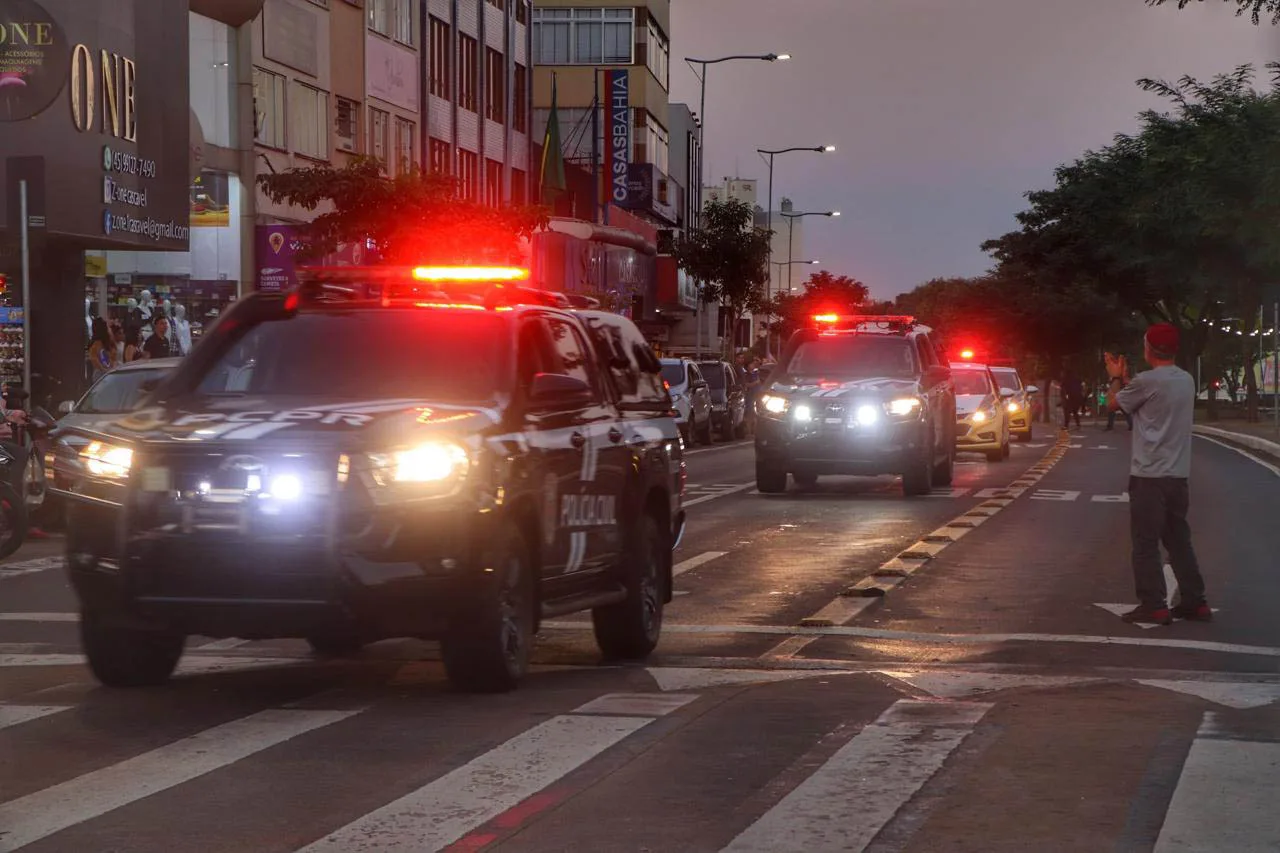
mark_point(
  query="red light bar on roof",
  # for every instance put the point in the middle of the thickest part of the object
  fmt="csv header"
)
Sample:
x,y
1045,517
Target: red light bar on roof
x,y
442,274
966,354
872,321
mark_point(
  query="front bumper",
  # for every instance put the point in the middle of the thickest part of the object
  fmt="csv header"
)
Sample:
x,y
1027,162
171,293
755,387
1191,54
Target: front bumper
x,y
886,447
392,571
1020,422
978,436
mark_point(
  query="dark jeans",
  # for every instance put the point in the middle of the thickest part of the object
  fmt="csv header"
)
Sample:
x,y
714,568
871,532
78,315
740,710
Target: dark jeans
x,y
1111,419
1158,514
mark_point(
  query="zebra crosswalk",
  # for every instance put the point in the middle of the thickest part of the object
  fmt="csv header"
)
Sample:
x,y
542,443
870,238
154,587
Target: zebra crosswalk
x,y
632,759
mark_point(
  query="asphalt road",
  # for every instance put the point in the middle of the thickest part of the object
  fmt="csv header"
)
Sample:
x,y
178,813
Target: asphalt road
x,y
842,669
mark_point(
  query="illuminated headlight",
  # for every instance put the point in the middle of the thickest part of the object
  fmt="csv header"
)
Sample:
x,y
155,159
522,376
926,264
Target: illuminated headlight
x,y
904,406
804,414
774,405
866,415
979,417
1014,407
433,462
105,460
286,487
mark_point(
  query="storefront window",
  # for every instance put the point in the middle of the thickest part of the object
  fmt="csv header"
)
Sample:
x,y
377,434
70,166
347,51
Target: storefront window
x,y
213,73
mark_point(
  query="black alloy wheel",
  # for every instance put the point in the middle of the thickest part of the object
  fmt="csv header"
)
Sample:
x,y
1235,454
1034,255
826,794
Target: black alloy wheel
x,y
129,657
630,629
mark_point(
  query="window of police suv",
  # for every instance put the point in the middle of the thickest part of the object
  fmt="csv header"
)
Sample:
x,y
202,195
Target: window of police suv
x,y
852,357
119,391
448,356
625,357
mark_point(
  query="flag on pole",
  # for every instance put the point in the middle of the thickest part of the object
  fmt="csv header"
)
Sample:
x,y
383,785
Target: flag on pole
x,y
552,181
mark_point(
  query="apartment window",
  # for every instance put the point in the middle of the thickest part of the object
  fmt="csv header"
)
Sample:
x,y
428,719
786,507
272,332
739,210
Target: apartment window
x,y
441,59
493,183
658,54
347,125
520,95
268,108
404,146
309,121
469,174
404,21
379,12
378,128
583,36
518,181
522,11
657,146
495,86
438,156
467,70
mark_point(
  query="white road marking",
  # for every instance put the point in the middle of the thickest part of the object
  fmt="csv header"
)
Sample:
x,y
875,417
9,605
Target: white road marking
x,y
190,664
741,487
441,812
845,803
693,562
12,715
39,815
740,443
39,617
944,639
962,685
1238,776
636,704
1231,694
1272,468
1122,498
27,567
222,645
696,678
948,493
1054,495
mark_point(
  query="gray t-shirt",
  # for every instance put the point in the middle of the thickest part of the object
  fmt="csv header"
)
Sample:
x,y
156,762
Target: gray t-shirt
x,y
1161,402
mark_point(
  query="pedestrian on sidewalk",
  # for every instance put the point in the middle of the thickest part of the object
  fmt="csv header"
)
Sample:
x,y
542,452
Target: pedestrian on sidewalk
x,y
1160,403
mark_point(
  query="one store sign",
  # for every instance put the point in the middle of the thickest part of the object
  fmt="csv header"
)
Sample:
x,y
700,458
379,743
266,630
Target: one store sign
x,y
618,136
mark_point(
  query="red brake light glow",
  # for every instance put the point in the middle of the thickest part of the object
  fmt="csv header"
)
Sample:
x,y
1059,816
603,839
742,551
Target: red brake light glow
x,y
826,318
291,302
967,354
470,274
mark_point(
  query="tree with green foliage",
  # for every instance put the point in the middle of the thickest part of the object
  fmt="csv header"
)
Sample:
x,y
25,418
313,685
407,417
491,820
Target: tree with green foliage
x,y
416,218
729,256
1254,8
1172,223
822,293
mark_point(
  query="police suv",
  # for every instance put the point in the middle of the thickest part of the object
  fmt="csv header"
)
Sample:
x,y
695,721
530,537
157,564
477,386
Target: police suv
x,y
857,394
439,453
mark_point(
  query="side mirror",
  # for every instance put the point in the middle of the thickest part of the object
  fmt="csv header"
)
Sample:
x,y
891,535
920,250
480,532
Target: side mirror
x,y
66,407
549,390
1032,389
937,373
1006,393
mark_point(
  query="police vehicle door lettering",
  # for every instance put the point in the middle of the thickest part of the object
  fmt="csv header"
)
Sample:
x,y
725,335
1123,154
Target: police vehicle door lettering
x,y
587,510
283,419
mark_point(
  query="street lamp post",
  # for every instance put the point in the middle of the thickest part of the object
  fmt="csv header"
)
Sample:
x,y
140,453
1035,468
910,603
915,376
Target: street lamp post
x,y
820,149
702,139
791,233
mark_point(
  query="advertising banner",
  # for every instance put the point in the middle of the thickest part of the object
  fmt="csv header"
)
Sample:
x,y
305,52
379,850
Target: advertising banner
x,y
617,135
275,250
89,89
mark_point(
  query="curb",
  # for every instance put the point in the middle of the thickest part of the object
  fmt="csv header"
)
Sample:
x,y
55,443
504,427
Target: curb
x,y
1252,442
854,600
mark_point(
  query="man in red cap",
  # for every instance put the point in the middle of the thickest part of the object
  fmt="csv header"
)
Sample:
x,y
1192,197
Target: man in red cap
x,y
1160,402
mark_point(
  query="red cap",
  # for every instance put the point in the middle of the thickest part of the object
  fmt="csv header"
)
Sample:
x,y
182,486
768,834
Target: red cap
x,y
1163,339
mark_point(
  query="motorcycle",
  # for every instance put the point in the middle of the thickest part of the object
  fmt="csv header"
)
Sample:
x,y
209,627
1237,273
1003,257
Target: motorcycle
x,y
13,509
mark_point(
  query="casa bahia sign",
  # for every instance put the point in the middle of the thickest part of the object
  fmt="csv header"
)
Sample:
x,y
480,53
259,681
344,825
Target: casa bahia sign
x,y
113,160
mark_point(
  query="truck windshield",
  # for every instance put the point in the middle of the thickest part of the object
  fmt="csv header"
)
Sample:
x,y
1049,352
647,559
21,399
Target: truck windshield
x,y
450,356
852,357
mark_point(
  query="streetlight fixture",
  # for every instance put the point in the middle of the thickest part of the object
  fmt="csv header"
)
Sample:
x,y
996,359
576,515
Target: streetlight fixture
x,y
767,155
791,233
702,136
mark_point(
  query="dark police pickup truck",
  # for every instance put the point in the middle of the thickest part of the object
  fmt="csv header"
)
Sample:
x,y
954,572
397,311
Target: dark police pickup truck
x,y
412,453
859,394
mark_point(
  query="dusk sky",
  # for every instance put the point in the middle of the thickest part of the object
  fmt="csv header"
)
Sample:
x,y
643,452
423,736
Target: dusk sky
x,y
945,111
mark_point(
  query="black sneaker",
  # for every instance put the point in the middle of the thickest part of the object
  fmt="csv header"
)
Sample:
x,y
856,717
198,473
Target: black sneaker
x,y
1193,612
1148,615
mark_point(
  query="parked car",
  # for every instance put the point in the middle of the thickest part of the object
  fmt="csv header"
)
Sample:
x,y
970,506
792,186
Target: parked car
x,y
728,399
1018,405
690,398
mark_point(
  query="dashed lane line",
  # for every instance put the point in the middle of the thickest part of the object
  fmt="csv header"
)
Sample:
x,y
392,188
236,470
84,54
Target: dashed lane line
x,y
693,562
856,599
730,490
